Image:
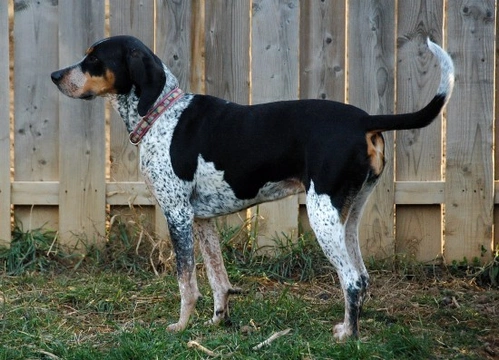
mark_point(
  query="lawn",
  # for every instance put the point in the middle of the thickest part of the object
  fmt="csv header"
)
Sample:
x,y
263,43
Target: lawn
x,y
105,307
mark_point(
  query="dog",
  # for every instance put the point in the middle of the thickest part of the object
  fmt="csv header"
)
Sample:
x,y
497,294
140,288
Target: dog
x,y
203,157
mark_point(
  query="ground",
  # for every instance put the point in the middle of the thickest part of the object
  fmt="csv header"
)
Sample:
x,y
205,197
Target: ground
x,y
112,314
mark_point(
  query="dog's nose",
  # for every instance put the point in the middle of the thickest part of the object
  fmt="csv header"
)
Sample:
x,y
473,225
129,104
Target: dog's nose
x,y
57,76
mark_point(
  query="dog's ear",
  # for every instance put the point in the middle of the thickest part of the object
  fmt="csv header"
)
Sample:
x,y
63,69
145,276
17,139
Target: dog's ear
x,y
147,74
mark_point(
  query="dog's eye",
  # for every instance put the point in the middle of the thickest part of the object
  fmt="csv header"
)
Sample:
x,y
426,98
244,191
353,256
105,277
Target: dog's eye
x,y
92,59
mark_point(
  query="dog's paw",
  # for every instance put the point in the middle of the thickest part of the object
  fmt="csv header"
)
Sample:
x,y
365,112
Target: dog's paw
x,y
341,332
175,327
213,321
235,291
220,317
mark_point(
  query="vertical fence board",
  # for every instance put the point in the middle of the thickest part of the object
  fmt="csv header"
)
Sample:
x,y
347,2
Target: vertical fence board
x,y
322,50
173,46
274,76
227,50
135,18
35,104
469,174
82,195
5,226
174,36
370,75
419,151
322,57
227,47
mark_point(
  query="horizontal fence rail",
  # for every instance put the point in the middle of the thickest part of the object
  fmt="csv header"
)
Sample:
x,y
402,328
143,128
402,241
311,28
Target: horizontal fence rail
x,y
67,164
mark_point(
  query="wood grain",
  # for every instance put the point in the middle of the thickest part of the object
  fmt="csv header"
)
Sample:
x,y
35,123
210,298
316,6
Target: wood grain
x,y
173,37
322,60
419,151
82,196
135,18
469,167
274,76
36,142
173,45
371,65
322,50
227,61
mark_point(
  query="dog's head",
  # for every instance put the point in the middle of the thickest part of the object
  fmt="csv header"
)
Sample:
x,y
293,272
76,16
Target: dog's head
x,y
113,66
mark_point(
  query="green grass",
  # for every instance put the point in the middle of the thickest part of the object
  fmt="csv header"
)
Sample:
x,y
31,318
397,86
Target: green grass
x,y
110,305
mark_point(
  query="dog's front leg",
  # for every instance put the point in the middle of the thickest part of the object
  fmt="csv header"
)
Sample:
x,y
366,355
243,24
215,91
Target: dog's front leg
x,y
209,244
180,225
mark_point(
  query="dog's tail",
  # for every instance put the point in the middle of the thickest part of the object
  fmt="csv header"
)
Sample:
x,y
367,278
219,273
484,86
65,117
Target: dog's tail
x,y
426,115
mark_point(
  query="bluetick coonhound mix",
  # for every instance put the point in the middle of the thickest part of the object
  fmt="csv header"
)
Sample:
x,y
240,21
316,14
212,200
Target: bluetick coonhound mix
x,y
204,157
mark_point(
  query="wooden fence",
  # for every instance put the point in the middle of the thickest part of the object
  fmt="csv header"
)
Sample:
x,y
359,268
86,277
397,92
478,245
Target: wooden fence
x,y
67,164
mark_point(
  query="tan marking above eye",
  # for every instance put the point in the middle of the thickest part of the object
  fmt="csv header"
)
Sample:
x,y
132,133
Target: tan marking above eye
x,y
89,50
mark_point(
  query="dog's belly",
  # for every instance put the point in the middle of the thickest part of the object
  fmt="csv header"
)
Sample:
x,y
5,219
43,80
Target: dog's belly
x,y
213,196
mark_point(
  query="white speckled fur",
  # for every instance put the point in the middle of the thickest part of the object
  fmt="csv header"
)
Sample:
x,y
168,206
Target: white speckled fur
x,y
330,231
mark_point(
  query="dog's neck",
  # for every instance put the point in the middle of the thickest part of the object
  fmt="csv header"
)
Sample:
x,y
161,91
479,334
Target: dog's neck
x,y
126,104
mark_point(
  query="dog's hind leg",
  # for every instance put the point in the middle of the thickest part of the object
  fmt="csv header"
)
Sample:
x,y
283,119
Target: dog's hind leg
x,y
327,224
180,223
209,244
353,247
352,234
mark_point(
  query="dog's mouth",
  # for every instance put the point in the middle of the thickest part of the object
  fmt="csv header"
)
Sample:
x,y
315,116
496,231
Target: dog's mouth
x,y
87,96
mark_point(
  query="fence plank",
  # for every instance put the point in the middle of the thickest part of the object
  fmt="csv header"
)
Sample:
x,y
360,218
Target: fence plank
x,y
227,37
322,50
35,103
274,76
419,192
419,151
371,68
322,59
82,137
469,170
227,50
135,18
174,36
5,226
173,46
